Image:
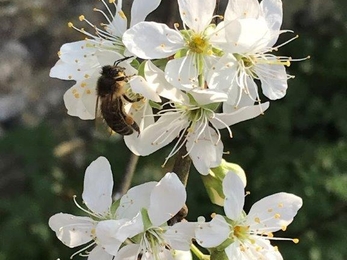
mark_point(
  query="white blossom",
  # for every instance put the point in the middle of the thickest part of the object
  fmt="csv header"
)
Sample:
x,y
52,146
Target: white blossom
x,y
73,230
247,236
194,45
82,61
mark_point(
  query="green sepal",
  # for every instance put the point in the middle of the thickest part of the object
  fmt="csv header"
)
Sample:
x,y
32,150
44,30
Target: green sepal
x,y
181,53
161,63
135,64
114,207
218,255
192,100
154,104
212,106
145,219
141,69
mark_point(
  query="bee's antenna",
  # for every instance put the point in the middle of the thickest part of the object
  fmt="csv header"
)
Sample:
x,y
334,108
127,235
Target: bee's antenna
x,y
120,60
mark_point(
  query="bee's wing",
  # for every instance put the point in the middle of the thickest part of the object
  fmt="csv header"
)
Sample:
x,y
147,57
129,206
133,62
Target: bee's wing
x,y
101,127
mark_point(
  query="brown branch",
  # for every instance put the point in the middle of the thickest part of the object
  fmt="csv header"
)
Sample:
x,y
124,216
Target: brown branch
x,y
182,165
128,175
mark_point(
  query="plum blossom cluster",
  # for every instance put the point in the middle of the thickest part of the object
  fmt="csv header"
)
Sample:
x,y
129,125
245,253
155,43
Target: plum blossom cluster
x,y
192,82
201,76
134,227
137,225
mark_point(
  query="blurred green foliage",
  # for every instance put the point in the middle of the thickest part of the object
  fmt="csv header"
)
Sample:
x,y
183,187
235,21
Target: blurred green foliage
x,y
299,146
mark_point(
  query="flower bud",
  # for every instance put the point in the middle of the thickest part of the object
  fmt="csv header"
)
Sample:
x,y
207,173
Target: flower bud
x,y
213,181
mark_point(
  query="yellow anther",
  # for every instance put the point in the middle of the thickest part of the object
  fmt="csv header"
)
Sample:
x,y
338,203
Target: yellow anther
x,y
86,76
88,91
280,205
257,220
296,240
70,24
270,210
111,1
122,15
83,84
59,54
277,216
284,228
81,18
76,95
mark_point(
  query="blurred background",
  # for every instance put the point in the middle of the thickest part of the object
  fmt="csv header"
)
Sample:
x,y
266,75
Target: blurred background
x,y
299,146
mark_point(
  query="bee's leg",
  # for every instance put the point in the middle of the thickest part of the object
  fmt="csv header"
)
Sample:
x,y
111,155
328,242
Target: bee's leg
x,y
130,121
132,100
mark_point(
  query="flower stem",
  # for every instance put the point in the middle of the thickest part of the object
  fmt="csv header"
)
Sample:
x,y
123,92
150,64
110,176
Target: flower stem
x,y
198,253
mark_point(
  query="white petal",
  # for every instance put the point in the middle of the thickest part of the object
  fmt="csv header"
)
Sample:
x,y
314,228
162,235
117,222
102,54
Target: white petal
x,y
141,8
182,255
180,235
206,151
274,212
128,252
80,99
131,228
150,40
234,192
119,23
273,80
208,96
77,53
98,253
241,114
242,9
67,71
196,14
223,73
158,135
107,232
213,233
98,184
72,230
272,10
140,85
235,252
167,198
248,35
134,200
254,248
156,77
143,115
182,72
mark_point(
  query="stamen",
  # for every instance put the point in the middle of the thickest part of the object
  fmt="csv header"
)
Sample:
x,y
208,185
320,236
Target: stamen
x,y
83,249
86,211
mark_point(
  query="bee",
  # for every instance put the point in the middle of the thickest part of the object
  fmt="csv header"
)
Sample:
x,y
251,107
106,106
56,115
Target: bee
x,y
111,95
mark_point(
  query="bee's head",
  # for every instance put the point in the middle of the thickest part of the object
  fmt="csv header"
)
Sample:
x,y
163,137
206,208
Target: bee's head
x,y
112,71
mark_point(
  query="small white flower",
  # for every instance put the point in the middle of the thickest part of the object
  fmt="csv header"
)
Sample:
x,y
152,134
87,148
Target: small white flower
x,y
82,60
74,230
251,31
192,118
247,236
150,206
150,40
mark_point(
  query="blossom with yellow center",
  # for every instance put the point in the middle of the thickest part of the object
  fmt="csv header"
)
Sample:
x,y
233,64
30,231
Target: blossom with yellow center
x,y
247,236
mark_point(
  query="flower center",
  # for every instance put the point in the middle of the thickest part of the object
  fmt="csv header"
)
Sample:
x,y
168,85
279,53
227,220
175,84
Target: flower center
x,y
241,232
199,44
